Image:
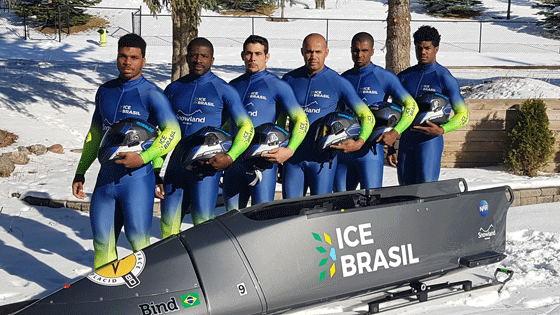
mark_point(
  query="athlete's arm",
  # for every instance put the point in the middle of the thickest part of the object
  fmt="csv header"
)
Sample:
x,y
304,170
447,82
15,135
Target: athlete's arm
x,y
367,121
285,96
241,119
401,96
170,130
89,154
461,116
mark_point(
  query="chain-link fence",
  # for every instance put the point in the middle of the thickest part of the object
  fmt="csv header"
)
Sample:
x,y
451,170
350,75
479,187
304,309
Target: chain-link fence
x,y
231,31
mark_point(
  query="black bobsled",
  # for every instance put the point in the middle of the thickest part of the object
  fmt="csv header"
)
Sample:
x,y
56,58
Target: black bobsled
x,y
289,253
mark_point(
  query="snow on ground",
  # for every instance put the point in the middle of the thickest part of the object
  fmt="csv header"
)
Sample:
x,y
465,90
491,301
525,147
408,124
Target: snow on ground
x,y
46,96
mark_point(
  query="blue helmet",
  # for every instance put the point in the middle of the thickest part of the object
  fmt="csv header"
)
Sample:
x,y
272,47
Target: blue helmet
x,y
335,128
434,107
127,135
387,116
203,145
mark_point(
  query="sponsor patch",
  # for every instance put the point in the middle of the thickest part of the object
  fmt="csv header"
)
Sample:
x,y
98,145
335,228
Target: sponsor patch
x,y
483,208
487,233
153,308
190,300
124,271
370,259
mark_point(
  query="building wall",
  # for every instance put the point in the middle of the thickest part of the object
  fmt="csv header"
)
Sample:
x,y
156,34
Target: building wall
x,y
481,142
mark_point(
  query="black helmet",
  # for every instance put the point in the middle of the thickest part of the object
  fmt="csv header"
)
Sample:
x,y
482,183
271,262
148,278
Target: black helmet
x,y
203,145
434,107
127,135
387,116
336,127
268,136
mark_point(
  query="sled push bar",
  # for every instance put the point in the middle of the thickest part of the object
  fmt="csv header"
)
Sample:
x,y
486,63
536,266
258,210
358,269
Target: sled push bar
x,y
421,290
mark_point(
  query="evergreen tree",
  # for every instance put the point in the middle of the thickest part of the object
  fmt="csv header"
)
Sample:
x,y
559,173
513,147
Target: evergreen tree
x,y
551,12
530,142
452,8
47,12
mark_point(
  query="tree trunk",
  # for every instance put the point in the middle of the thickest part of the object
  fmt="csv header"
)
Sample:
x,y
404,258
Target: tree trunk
x,y
185,28
397,57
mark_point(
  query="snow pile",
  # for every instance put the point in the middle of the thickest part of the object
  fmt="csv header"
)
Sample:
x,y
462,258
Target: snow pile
x,y
508,88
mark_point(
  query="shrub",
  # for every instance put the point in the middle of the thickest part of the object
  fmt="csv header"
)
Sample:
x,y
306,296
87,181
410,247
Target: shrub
x,y
452,8
530,141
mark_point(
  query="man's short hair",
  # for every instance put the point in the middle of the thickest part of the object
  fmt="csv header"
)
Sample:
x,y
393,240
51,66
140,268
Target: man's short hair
x,y
200,42
362,37
133,40
256,39
426,33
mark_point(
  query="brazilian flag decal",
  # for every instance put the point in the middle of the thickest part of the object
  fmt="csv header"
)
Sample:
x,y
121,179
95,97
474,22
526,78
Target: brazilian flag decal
x,y
190,299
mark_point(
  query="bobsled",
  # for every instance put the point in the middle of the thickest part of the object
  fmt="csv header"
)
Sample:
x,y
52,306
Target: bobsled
x,y
292,253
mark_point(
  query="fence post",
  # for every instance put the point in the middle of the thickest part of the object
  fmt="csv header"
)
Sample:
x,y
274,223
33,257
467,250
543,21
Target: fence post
x,y
25,24
252,25
59,22
480,39
327,39
140,22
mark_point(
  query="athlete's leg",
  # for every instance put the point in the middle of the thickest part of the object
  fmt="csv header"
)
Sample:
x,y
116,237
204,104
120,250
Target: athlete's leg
x,y
341,175
429,160
293,180
320,176
137,200
235,185
265,189
204,195
172,204
102,215
370,168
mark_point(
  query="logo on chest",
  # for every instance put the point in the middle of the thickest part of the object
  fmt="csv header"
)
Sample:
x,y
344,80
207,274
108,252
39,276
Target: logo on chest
x,y
202,101
127,109
189,119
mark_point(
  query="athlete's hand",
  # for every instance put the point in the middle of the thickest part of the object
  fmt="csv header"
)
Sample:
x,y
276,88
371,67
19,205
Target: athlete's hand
x,y
78,186
392,156
278,155
130,159
430,129
160,192
349,145
220,161
388,137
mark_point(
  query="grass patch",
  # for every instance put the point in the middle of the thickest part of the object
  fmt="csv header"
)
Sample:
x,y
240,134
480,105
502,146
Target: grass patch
x,y
262,10
93,23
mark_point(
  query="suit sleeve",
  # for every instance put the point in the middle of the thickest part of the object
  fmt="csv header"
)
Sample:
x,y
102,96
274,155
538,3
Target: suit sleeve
x,y
91,143
298,117
167,122
367,121
401,96
461,116
241,119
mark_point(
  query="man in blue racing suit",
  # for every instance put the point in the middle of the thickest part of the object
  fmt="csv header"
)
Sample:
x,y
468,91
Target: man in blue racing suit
x,y
421,147
265,97
374,85
319,89
200,99
124,191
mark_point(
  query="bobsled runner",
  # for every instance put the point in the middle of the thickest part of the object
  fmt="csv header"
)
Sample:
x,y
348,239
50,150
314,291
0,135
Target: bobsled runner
x,y
291,253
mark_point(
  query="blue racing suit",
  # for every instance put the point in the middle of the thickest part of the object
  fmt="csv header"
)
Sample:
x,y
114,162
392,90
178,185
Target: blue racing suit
x,y
319,96
419,157
125,195
265,97
373,84
199,101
